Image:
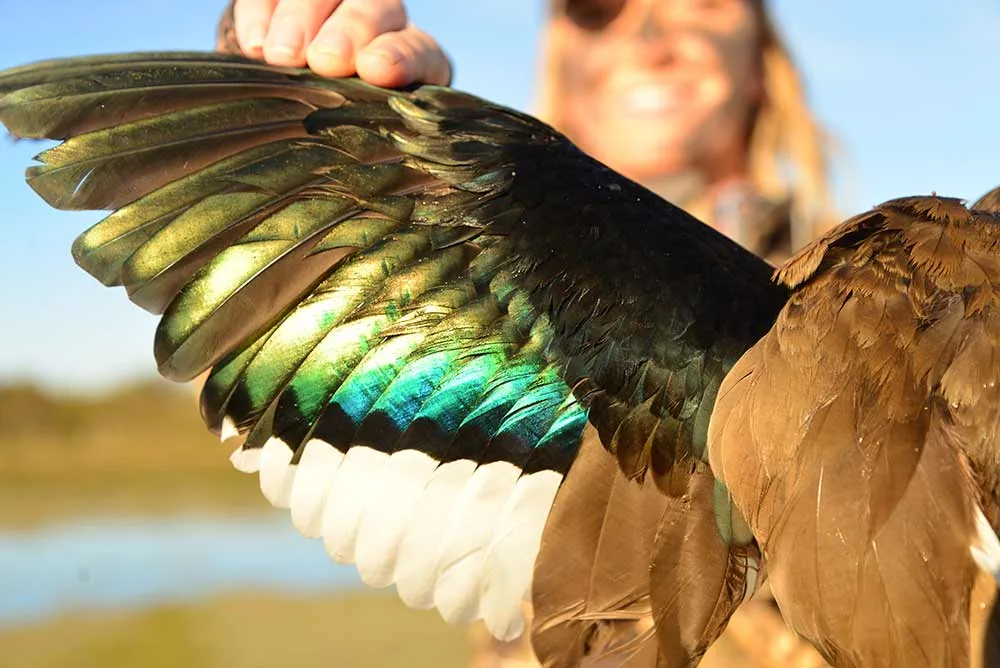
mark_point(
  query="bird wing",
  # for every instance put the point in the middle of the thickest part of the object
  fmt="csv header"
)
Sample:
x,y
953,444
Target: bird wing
x,y
410,302
858,437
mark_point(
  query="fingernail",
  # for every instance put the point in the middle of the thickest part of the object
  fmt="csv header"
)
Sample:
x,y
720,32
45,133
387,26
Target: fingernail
x,y
253,40
336,46
287,41
388,55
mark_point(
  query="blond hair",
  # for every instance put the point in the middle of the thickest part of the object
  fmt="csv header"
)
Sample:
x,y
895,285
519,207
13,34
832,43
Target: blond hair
x,y
787,147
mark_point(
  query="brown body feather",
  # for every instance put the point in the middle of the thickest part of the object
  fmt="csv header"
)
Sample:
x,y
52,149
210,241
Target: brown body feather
x,y
862,488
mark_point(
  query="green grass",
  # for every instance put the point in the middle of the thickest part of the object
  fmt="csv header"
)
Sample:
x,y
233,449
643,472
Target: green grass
x,y
142,449
153,428
249,631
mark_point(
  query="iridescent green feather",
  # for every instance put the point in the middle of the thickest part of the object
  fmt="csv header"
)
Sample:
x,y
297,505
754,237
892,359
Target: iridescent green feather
x,y
104,248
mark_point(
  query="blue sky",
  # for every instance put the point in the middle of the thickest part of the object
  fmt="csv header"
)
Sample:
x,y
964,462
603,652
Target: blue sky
x,y
909,89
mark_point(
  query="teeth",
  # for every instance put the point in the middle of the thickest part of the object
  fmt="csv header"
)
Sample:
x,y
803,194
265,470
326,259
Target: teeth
x,y
651,99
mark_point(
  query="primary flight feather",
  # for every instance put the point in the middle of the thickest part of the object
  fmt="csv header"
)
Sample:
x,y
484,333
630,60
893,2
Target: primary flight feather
x,y
484,367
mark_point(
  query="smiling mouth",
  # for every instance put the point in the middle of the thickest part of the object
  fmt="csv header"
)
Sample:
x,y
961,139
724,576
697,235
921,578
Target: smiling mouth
x,y
650,99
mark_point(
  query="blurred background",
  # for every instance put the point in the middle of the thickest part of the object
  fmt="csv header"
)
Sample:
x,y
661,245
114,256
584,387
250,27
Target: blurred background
x,y
126,538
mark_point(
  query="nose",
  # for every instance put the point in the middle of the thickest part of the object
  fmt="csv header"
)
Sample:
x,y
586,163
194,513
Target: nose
x,y
652,32
649,27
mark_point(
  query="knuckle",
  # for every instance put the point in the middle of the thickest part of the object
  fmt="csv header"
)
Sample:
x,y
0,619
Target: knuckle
x,y
248,11
289,10
358,24
371,19
388,13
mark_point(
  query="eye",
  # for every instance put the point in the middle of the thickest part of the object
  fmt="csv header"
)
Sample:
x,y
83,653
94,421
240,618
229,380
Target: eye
x,y
593,15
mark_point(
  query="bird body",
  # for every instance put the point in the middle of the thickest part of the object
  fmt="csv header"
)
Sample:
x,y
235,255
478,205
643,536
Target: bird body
x,y
887,453
484,367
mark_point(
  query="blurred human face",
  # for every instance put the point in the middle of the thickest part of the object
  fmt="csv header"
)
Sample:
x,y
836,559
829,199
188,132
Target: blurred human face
x,y
656,87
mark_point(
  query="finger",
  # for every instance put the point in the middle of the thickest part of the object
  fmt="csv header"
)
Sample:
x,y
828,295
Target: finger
x,y
293,26
349,29
251,19
400,58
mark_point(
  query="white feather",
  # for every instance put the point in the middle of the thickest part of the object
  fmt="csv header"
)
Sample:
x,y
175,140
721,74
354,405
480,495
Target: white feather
x,y
463,551
349,495
420,547
276,472
510,558
457,536
400,483
317,466
229,429
986,548
246,461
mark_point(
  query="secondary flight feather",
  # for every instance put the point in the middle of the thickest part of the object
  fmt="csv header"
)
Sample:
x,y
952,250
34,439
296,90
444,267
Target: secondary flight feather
x,y
484,367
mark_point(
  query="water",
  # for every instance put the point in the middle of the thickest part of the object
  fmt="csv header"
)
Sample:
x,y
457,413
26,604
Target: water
x,y
121,563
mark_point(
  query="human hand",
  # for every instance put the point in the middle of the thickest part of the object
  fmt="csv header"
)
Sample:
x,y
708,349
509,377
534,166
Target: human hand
x,y
370,38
